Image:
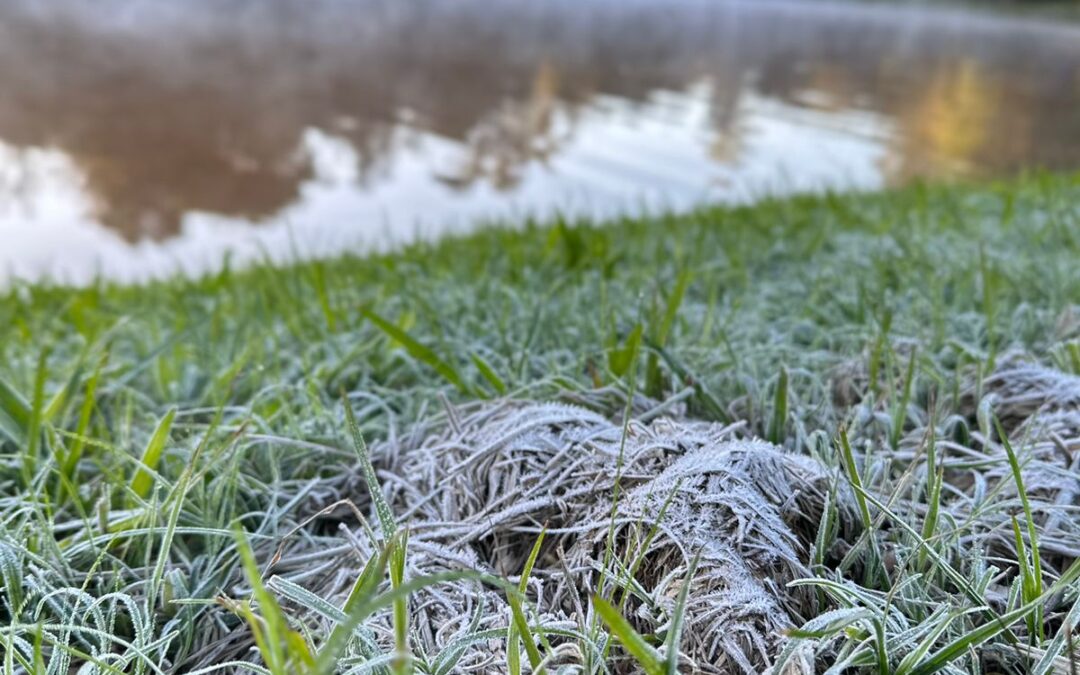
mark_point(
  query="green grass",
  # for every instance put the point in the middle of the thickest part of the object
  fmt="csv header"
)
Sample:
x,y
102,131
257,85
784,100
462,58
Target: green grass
x,y
140,427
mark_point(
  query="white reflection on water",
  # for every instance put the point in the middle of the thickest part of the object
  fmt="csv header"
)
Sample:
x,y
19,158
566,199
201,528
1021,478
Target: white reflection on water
x,y
660,156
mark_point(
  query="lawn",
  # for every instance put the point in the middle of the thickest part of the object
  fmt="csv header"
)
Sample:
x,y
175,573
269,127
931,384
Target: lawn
x,y
553,464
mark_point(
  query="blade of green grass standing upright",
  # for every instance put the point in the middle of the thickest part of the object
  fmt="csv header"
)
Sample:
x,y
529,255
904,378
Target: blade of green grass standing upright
x,y
382,509
654,385
74,454
825,537
489,374
776,427
177,496
513,656
1027,581
632,348
531,650
678,620
632,641
363,589
318,279
988,277
933,509
401,662
283,649
877,354
1036,564
14,413
33,427
143,480
875,566
900,413
620,359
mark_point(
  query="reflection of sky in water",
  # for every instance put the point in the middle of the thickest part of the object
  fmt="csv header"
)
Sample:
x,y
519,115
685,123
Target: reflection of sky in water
x,y
139,142
662,156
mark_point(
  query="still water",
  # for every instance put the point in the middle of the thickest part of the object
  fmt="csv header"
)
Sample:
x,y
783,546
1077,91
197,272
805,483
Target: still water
x,y
141,137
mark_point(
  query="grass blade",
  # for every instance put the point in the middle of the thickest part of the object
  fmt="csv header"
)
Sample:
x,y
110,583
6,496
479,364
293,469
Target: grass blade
x,y
143,479
935,478
901,411
386,516
852,469
74,454
14,413
417,349
513,632
653,377
283,650
402,661
620,359
522,624
630,639
678,620
1029,519
363,589
489,374
779,418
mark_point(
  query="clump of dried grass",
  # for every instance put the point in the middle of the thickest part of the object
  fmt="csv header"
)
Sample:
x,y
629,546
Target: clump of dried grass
x,y
1024,388
477,487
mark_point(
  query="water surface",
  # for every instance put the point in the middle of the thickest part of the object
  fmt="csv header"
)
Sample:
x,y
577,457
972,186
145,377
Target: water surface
x,y
139,137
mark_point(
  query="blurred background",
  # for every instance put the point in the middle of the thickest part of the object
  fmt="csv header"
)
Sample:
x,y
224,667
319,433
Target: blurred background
x,y
142,137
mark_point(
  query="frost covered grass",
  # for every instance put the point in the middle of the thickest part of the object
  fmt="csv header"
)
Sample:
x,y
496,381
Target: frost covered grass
x,y
820,432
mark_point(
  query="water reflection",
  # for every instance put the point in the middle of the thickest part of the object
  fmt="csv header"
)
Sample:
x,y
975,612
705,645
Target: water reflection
x,y
251,125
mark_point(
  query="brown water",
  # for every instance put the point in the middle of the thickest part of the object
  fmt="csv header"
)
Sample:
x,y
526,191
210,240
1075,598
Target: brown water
x,y
142,136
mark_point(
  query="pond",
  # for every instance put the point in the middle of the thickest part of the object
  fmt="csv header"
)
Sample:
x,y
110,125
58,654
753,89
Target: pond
x,y
139,138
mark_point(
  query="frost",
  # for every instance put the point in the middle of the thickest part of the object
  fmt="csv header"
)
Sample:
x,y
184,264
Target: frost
x,y
476,489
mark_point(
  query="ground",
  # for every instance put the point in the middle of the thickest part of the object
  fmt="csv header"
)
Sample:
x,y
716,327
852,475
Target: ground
x,y
873,343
